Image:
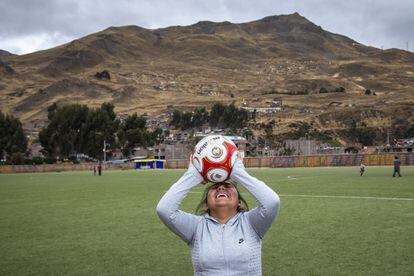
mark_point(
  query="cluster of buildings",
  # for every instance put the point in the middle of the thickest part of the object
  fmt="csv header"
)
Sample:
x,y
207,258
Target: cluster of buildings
x,y
180,144
268,109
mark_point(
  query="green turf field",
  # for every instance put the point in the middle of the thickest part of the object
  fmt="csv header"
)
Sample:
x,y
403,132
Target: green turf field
x,y
332,222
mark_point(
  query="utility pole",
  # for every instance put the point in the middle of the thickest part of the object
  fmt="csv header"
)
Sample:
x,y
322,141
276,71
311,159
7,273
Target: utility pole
x,y
173,150
104,149
388,137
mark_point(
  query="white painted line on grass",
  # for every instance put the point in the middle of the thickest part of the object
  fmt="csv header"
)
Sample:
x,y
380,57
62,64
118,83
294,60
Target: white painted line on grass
x,y
329,196
353,197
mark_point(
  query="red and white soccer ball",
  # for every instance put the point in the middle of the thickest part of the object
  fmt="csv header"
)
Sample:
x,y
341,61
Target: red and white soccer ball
x,y
214,157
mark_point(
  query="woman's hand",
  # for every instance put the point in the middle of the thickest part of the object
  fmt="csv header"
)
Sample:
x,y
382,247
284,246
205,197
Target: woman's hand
x,y
238,167
192,170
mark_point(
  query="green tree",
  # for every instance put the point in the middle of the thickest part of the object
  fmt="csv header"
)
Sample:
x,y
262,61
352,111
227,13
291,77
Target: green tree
x,y
220,116
186,120
101,125
62,136
200,117
402,128
76,129
228,116
51,110
303,130
215,114
366,136
12,138
176,119
157,136
132,133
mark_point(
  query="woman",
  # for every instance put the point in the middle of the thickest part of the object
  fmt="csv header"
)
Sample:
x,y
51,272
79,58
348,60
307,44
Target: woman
x,y
226,240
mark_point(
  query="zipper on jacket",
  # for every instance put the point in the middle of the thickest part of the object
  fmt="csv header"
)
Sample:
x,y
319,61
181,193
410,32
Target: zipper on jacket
x,y
223,246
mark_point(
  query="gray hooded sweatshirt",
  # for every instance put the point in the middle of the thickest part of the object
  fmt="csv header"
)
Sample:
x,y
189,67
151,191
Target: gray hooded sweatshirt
x,y
233,248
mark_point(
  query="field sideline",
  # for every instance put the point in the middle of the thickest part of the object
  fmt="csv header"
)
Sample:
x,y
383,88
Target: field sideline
x,y
332,222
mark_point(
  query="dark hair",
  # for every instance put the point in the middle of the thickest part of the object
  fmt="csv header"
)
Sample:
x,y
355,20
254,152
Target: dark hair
x,y
202,207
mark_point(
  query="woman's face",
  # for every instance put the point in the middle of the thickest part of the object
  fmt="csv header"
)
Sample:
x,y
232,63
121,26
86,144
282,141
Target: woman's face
x,y
222,195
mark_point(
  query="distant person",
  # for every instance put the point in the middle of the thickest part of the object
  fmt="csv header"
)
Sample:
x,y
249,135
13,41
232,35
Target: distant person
x,y
100,168
397,164
362,169
225,238
94,169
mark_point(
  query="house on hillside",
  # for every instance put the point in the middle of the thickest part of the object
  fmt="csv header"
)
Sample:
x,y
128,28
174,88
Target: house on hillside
x,y
35,149
172,151
400,145
305,146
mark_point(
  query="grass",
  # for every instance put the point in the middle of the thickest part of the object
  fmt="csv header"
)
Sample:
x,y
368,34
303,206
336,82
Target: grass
x,y
78,224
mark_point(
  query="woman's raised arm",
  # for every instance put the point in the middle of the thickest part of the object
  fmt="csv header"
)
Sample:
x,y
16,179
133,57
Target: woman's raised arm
x,y
181,223
261,217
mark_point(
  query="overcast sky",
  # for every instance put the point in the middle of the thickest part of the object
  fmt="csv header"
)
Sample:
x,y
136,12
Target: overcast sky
x,y
31,25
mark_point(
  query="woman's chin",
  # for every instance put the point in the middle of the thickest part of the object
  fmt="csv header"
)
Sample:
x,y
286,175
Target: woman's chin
x,y
225,204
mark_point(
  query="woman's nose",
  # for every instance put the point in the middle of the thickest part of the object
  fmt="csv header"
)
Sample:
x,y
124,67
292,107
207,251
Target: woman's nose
x,y
220,187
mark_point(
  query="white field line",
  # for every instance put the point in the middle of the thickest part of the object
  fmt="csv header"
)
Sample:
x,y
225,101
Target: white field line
x,y
353,197
339,196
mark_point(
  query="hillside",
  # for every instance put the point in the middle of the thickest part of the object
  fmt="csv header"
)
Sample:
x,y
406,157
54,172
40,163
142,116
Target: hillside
x,y
4,53
181,67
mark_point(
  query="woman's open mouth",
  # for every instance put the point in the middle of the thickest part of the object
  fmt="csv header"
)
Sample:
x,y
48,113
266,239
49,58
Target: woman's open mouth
x,y
220,195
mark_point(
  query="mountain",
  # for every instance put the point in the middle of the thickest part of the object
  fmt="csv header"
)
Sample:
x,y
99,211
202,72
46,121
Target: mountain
x,y
4,53
180,67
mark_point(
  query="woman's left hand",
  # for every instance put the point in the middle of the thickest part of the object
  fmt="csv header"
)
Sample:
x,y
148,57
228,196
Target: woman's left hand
x,y
237,167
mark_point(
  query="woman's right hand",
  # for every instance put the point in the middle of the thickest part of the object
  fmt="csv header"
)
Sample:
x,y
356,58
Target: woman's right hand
x,y
192,169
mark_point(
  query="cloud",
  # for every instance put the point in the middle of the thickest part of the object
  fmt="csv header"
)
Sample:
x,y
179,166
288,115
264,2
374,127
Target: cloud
x,y
27,26
33,42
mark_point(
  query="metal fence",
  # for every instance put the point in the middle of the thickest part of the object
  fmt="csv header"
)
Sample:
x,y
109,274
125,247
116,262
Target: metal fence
x,y
334,160
338,160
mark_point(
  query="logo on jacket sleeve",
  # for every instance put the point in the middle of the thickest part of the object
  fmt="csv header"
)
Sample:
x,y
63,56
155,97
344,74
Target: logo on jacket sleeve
x,y
240,241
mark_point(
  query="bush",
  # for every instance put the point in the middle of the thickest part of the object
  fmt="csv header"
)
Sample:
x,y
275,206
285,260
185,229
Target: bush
x,y
334,143
49,160
38,160
339,89
298,92
323,90
17,158
364,135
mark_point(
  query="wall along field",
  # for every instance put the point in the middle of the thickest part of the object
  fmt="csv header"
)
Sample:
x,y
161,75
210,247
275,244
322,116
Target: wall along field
x,y
332,222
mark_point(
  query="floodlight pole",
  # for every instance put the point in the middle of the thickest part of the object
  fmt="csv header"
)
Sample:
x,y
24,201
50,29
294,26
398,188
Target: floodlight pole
x,y
104,150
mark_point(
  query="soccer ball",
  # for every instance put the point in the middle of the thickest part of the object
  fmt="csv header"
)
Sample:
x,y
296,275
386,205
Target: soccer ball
x,y
214,157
